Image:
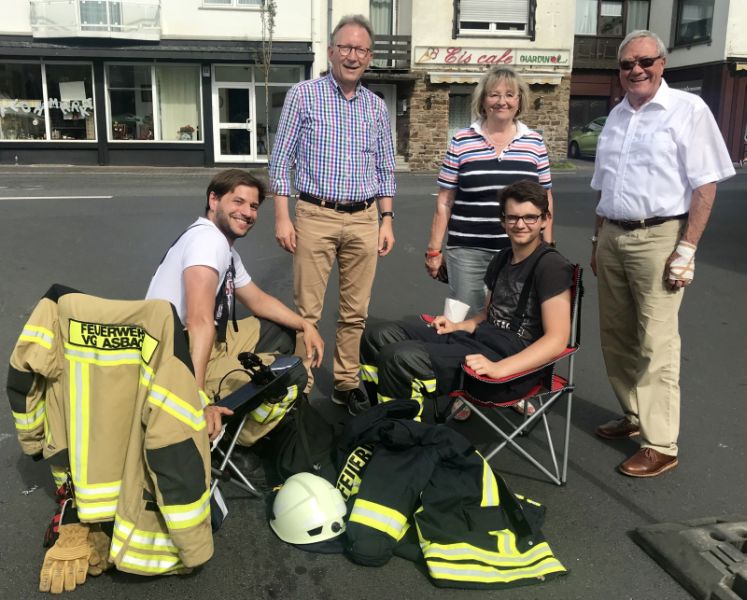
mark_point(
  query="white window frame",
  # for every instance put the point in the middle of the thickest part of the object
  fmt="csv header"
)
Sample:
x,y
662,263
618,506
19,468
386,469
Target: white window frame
x,y
45,100
154,95
255,86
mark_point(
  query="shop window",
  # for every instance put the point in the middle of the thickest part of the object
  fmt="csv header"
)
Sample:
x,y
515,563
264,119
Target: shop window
x,y
70,100
160,103
22,115
491,18
59,109
178,102
693,22
131,102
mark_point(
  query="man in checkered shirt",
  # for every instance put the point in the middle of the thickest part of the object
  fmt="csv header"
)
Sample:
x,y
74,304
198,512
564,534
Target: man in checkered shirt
x,y
336,134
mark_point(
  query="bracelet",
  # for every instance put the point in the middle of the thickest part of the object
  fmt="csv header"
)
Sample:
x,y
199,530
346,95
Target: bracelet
x,y
432,253
387,213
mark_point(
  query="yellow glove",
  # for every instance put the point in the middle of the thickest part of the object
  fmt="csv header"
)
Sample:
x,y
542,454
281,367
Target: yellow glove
x,y
99,543
66,563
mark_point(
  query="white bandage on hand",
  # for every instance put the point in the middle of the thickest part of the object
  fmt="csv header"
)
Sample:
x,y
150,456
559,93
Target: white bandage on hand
x,y
682,268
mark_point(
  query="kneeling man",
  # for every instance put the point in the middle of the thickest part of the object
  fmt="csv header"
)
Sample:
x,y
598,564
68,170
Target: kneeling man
x,y
202,276
408,360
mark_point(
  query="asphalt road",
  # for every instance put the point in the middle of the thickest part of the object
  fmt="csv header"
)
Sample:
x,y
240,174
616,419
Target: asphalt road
x,y
103,232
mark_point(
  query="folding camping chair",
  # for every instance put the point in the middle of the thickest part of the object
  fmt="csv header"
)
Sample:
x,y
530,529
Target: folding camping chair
x,y
489,397
268,383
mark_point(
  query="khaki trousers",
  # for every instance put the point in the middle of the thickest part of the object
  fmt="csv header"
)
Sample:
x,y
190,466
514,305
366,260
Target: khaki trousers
x,y
324,235
639,328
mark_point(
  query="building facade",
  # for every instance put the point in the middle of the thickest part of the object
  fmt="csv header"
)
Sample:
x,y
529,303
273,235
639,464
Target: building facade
x,y
707,55
451,43
146,82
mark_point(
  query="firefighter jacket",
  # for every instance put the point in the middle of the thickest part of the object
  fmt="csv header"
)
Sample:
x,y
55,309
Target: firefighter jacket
x,y
104,390
423,492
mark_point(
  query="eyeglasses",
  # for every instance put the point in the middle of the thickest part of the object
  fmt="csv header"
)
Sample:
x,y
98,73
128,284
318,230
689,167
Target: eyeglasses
x,y
507,96
361,53
528,219
645,63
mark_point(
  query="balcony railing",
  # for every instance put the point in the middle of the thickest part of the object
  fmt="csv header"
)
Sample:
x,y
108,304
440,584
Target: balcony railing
x,y
392,51
595,52
125,19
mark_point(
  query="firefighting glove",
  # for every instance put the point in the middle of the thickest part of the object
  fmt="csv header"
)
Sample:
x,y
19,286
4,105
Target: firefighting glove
x,y
682,268
66,563
99,542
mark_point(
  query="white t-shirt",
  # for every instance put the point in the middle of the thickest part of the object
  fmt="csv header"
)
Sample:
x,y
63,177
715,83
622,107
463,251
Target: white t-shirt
x,y
650,160
201,244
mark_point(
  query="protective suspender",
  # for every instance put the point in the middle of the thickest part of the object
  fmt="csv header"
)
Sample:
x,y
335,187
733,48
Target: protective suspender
x,y
222,309
521,308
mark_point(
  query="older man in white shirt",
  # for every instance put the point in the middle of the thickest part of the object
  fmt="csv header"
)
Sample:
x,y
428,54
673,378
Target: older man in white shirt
x,y
658,161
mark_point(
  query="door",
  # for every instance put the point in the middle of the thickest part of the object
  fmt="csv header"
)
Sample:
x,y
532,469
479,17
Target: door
x,y
234,127
388,93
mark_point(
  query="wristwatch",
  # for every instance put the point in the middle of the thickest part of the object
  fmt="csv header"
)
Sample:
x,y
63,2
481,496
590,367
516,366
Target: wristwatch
x,y
594,238
387,213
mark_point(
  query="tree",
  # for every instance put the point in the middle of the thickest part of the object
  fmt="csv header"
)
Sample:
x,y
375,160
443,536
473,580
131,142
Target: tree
x,y
268,10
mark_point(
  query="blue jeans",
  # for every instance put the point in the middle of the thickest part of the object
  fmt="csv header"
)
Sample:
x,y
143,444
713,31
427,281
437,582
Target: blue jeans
x,y
466,268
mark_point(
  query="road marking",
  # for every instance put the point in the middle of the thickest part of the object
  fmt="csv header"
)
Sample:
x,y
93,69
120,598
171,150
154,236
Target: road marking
x,y
55,197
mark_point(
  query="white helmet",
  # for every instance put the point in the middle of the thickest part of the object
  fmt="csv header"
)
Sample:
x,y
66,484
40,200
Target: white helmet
x,y
308,509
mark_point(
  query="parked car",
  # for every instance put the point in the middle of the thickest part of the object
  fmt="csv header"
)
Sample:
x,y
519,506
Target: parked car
x,y
583,141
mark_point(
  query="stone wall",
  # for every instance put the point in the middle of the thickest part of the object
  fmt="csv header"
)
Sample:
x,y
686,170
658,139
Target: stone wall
x,y
429,125
551,119
428,121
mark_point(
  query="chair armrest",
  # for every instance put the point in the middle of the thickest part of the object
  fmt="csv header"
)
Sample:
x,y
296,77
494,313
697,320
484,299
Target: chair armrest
x,y
471,373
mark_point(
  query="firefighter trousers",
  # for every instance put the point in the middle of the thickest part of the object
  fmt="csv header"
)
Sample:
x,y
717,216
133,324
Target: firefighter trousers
x,y
410,360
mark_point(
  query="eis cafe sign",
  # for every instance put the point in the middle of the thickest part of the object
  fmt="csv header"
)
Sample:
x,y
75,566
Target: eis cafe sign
x,y
457,55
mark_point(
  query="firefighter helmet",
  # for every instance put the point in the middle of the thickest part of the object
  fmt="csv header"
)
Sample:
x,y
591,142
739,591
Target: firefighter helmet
x,y
307,509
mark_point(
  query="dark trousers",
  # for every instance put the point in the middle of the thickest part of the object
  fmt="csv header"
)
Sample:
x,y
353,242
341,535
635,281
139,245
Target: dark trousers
x,y
411,360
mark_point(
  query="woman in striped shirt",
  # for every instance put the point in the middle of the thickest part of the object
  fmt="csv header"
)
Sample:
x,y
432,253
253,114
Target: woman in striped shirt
x,y
492,153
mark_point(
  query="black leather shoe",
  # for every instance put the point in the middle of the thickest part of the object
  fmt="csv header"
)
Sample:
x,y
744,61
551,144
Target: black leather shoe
x,y
355,399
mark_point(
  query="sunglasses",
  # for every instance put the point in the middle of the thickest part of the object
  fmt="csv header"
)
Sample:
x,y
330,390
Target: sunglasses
x,y
645,63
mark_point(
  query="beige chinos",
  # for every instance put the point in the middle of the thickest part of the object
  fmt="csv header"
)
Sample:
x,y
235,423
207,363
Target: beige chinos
x,y
638,319
323,235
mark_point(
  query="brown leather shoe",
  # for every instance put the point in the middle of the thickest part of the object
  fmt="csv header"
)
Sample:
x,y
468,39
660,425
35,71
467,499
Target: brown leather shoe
x,y
647,462
619,429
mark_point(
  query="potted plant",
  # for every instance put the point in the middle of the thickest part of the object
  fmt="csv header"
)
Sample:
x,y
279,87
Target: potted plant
x,y
185,132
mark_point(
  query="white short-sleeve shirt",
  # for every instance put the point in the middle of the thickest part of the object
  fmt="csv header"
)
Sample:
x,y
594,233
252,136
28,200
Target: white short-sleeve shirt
x,y
649,161
201,244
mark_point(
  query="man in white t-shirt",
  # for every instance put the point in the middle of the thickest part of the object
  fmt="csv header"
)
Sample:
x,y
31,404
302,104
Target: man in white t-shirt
x,y
202,276
659,158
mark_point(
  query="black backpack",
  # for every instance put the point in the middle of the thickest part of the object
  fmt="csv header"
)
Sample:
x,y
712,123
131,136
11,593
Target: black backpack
x,y
303,442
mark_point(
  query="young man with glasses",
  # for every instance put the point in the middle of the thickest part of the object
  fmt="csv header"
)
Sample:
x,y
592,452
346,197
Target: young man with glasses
x,y
337,135
410,360
659,158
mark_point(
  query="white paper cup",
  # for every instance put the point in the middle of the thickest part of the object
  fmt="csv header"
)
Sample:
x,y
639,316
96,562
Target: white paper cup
x,y
455,310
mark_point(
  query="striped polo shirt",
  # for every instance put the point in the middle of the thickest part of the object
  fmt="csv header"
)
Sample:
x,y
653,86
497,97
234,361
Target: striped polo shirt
x,y
478,173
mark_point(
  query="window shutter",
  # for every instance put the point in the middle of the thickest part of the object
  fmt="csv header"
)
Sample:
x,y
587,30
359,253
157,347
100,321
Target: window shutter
x,y
494,11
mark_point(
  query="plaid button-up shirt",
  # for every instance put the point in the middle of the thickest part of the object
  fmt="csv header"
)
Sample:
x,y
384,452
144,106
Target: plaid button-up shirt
x,y
342,149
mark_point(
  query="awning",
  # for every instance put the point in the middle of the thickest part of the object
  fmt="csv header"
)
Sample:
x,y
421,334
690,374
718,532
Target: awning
x,y
474,77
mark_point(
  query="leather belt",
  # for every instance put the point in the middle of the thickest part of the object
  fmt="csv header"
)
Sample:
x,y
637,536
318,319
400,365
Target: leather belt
x,y
643,223
348,207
